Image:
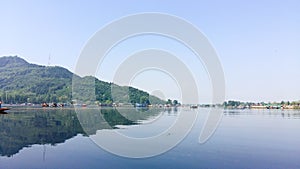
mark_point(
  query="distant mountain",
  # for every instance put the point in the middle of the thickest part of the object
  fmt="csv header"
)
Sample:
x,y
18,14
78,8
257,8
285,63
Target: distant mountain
x,y
22,82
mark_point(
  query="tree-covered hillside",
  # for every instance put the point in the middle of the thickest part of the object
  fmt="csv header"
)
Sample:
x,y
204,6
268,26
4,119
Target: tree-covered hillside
x,y
22,82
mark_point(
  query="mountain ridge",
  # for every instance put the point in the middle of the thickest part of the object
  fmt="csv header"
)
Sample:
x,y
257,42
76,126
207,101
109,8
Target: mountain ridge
x,y
21,81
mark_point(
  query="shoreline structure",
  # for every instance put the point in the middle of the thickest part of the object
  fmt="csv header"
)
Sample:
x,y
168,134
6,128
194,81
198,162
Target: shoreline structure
x,y
226,105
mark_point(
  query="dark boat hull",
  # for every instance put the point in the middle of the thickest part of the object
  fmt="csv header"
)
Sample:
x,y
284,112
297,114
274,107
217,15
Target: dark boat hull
x,y
3,109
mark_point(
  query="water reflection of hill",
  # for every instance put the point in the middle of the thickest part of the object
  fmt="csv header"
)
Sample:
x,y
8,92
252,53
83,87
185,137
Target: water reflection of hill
x,y
93,120
27,127
23,127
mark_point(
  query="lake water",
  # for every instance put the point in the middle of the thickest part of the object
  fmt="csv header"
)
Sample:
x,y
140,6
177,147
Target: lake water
x,y
54,138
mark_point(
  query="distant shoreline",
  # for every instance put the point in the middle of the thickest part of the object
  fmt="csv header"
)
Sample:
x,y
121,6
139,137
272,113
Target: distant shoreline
x,y
72,107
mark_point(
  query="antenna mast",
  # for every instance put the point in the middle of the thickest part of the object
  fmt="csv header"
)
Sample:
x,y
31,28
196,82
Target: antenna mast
x,y
49,59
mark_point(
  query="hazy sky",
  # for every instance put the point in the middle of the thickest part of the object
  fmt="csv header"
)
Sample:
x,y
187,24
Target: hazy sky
x,y
258,42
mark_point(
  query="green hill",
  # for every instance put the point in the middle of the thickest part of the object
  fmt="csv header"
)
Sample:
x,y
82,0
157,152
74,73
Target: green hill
x,y
22,82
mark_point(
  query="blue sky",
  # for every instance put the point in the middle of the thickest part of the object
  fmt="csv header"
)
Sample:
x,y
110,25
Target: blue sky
x,y
257,41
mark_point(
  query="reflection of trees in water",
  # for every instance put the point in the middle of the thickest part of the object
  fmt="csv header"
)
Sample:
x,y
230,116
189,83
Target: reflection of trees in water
x,y
290,115
93,120
171,110
286,114
23,128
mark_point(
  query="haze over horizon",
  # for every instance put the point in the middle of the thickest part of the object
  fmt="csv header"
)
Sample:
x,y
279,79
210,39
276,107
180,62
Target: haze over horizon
x,y
257,43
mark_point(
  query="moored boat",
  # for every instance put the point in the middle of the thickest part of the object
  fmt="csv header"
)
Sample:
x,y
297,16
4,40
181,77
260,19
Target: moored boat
x,y
3,109
194,106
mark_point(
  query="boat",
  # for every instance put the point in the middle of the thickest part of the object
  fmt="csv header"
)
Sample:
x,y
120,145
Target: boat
x,y
45,105
3,109
194,106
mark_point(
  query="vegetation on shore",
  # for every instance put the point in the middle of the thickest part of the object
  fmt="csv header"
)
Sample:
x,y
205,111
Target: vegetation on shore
x,y
262,105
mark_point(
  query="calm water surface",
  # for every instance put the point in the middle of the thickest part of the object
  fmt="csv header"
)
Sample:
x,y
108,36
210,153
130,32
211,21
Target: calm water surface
x,y
54,138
